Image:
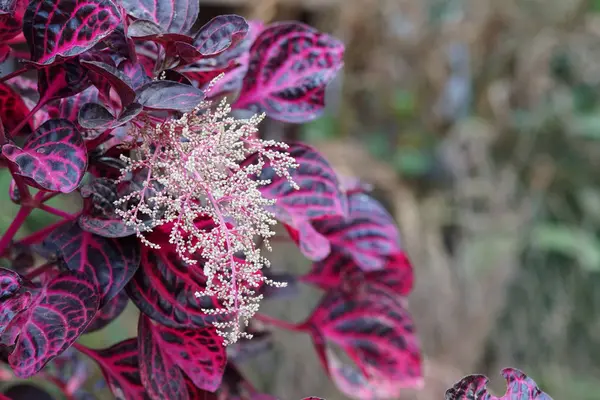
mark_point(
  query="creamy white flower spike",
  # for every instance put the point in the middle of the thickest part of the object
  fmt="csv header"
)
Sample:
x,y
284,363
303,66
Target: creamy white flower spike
x,y
192,169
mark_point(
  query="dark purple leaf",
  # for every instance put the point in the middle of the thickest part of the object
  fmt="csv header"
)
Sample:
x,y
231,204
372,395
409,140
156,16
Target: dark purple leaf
x,y
97,79
136,73
474,387
13,110
109,312
213,38
117,79
174,76
95,116
220,33
121,45
198,352
55,319
175,16
166,95
290,66
369,234
372,326
60,29
340,269
62,80
120,367
109,263
109,228
70,106
53,158
161,377
164,288
233,62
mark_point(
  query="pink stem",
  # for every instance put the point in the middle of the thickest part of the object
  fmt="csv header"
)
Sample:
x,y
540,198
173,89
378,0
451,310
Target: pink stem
x,y
278,323
14,227
13,74
55,211
35,109
42,233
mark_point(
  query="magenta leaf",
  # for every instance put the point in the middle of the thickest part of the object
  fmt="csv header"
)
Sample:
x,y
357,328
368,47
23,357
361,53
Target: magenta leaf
x,y
375,330
109,228
369,234
319,195
13,110
69,107
62,80
198,352
167,95
60,29
109,312
161,377
120,367
312,244
474,387
109,263
53,158
55,319
14,297
339,269
175,16
11,17
164,289
290,65
136,73
117,79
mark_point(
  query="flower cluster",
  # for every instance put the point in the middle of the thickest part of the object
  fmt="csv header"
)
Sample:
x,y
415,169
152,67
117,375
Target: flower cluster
x,y
192,172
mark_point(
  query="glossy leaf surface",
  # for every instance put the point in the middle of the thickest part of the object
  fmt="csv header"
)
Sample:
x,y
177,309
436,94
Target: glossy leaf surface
x,y
59,29
289,67
53,158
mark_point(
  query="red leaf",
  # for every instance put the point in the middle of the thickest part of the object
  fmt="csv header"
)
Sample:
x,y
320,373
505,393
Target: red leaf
x,y
319,195
56,317
12,110
109,312
161,377
369,234
375,330
175,16
109,263
11,17
520,387
60,29
120,367
164,289
198,352
117,79
69,107
339,269
62,80
289,68
53,158
167,95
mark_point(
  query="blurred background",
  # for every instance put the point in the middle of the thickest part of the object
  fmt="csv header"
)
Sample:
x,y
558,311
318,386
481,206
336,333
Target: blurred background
x,y
478,124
